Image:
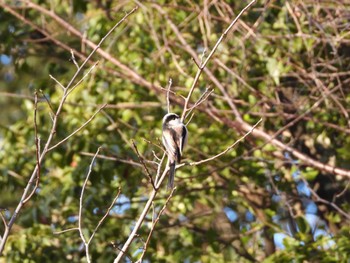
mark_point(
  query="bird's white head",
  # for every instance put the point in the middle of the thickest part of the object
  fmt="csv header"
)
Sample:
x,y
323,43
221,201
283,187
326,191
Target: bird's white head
x,y
171,119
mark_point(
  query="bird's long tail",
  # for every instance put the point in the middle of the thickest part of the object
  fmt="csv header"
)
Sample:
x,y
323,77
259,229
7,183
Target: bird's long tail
x,y
171,175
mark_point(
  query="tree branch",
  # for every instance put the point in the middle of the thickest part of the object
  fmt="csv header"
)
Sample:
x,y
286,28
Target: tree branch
x,y
26,193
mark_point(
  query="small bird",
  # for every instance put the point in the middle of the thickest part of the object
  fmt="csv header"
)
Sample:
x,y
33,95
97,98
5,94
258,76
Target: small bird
x,y
174,139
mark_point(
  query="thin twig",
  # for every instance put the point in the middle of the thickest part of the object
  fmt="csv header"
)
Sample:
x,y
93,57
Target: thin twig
x,y
57,82
73,58
168,94
342,192
66,230
48,102
143,164
154,144
159,168
144,212
227,149
37,148
203,65
79,129
195,62
155,223
321,200
201,99
63,23
117,248
190,119
105,215
80,217
111,158
83,78
202,57
155,156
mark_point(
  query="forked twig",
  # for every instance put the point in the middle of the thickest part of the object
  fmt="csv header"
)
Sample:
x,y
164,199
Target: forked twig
x,y
205,95
154,224
80,213
80,216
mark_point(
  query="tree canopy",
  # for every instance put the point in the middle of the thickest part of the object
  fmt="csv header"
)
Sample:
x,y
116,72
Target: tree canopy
x,y
265,174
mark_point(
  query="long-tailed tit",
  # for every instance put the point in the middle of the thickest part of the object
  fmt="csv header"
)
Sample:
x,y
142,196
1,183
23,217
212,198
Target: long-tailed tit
x,y
174,139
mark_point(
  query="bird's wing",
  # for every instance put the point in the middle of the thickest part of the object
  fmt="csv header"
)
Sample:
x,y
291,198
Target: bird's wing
x,y
180,137
183,139
170,145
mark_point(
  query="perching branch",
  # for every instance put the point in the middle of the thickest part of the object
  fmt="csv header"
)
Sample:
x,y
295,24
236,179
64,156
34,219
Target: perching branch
x,y
155,223
138,224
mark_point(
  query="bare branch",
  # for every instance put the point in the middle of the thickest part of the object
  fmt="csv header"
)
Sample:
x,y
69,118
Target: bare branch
x,y
37,149
111,158
205,95
66,230
195,62
73,58
105,215
52,111
227,149
168,94
126,70
139,222
77,130
301,156
321,200
159,168
80,217
57,82
155,223
83,78
80,214
55,118
342,192
154,144
202,57
203,65
143,164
